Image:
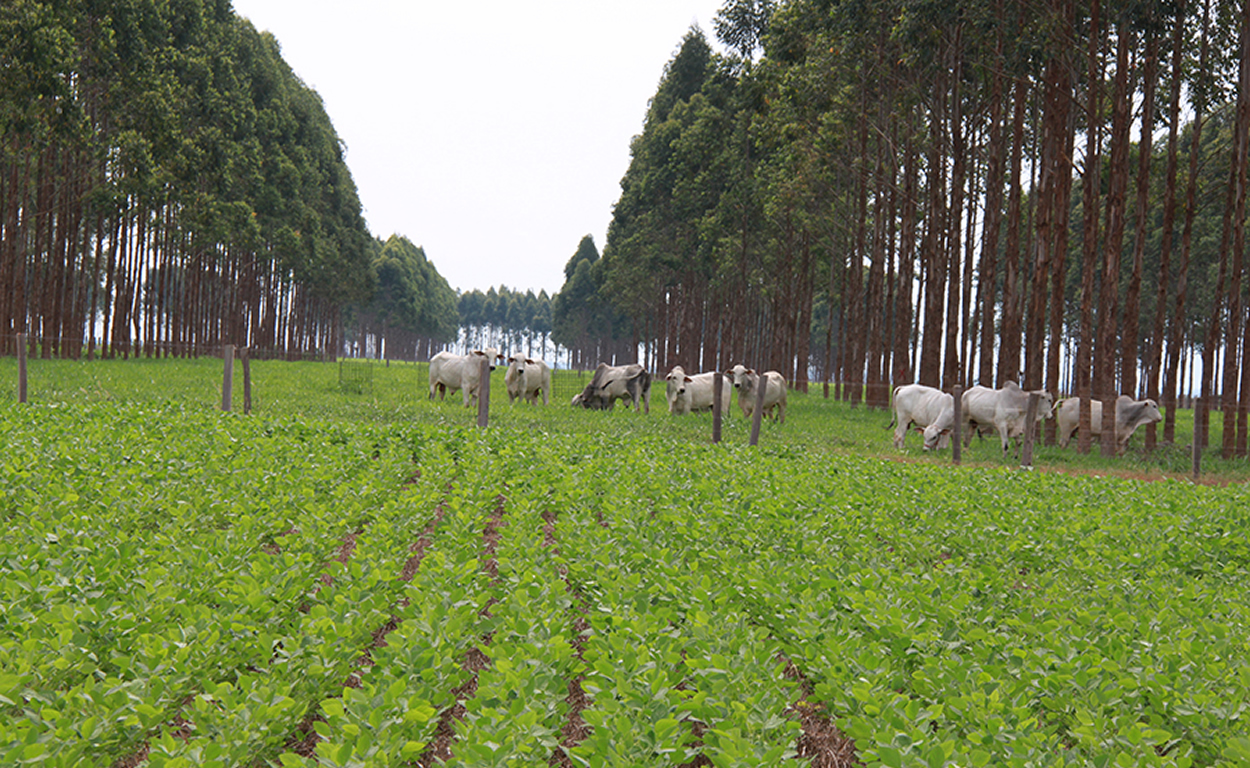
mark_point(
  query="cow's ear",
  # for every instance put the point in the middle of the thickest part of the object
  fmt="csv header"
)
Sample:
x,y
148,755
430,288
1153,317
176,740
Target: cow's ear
x,y
750,370
530,362
689,379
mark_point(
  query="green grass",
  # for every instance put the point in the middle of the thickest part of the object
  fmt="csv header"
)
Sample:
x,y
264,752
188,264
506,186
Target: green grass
x,y
398,392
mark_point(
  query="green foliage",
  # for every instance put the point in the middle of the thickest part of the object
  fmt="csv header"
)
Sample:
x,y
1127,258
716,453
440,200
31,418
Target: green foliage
x,y
505,318
175,576
411,295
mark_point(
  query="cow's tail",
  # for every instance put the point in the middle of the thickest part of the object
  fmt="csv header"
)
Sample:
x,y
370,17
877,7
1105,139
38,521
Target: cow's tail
x,y
893,412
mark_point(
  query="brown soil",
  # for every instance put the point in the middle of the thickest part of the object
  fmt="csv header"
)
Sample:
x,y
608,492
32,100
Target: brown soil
x,y
439,750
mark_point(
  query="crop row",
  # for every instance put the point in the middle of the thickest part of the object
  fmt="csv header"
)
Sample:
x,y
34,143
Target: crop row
x,y
965,619
181,572
202,590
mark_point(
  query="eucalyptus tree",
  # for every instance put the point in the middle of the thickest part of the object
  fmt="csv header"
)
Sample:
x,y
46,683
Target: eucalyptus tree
x,y
583,319
168,184
657,262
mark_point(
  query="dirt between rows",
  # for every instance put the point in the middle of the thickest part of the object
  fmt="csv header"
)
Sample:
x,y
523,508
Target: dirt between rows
x,y
820,741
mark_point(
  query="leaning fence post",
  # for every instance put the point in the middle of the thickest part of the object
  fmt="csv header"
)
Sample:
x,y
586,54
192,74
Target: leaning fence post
x,y
483,394
759,409
718,380
21,367
227,376
957,403
1030,428
247,380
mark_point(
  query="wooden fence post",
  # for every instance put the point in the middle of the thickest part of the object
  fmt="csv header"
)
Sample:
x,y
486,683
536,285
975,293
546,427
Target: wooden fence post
x,y
227,376
1030,428
483,394
758,415
247,380
957,395
718,380
1200,406
21,367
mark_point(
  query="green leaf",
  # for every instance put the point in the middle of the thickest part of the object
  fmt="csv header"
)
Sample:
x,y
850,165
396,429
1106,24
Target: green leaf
x,y
890,757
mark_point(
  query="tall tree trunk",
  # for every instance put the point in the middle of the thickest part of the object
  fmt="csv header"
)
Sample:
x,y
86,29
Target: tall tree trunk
x,y
875,327
1166,242
994,171
952,364
1132,299
1234,229
1062,216
934,245
1239,225
1090,204
1105,352
854,290
1199,106
904,373
1013,298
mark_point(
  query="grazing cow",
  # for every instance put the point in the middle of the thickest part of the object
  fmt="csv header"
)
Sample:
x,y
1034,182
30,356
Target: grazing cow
x,y
1129,415
1003,409
526,378
450,371
926,407
616,382
693,393
746,381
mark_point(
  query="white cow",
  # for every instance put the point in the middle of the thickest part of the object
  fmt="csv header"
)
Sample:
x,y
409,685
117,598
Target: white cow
x,y
747,382
1003,409
463,372
616,382
693,393
527,378
926,407
1129,415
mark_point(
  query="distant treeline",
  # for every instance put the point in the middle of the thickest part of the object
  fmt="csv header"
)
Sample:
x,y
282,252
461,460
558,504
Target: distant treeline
x,y
950,192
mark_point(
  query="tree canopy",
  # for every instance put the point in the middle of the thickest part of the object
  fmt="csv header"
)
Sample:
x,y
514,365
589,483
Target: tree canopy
x,y
168,184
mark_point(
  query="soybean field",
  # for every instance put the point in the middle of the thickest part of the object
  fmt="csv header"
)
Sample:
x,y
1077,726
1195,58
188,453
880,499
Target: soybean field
x,y
369,579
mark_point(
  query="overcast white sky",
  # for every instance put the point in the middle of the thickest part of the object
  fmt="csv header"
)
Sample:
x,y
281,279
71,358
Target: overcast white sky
x,y
494,134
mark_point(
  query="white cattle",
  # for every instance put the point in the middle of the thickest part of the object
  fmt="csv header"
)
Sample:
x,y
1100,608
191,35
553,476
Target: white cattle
x,y
527,378
463,372
1003,409
926,407
693,393
616,382
1129,415
747,382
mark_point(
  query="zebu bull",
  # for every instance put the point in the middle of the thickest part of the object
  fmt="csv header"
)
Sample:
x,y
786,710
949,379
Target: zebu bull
x,y
1129,415
928,408
616,382
747,382
686,394
1003,409
463,372
526,379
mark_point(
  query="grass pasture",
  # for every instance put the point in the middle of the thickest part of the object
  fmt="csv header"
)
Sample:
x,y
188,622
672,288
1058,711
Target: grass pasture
x,y
364,578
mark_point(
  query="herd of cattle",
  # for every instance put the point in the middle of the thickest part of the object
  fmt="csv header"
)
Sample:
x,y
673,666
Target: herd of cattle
x,y
928,409
1004,411
528,379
